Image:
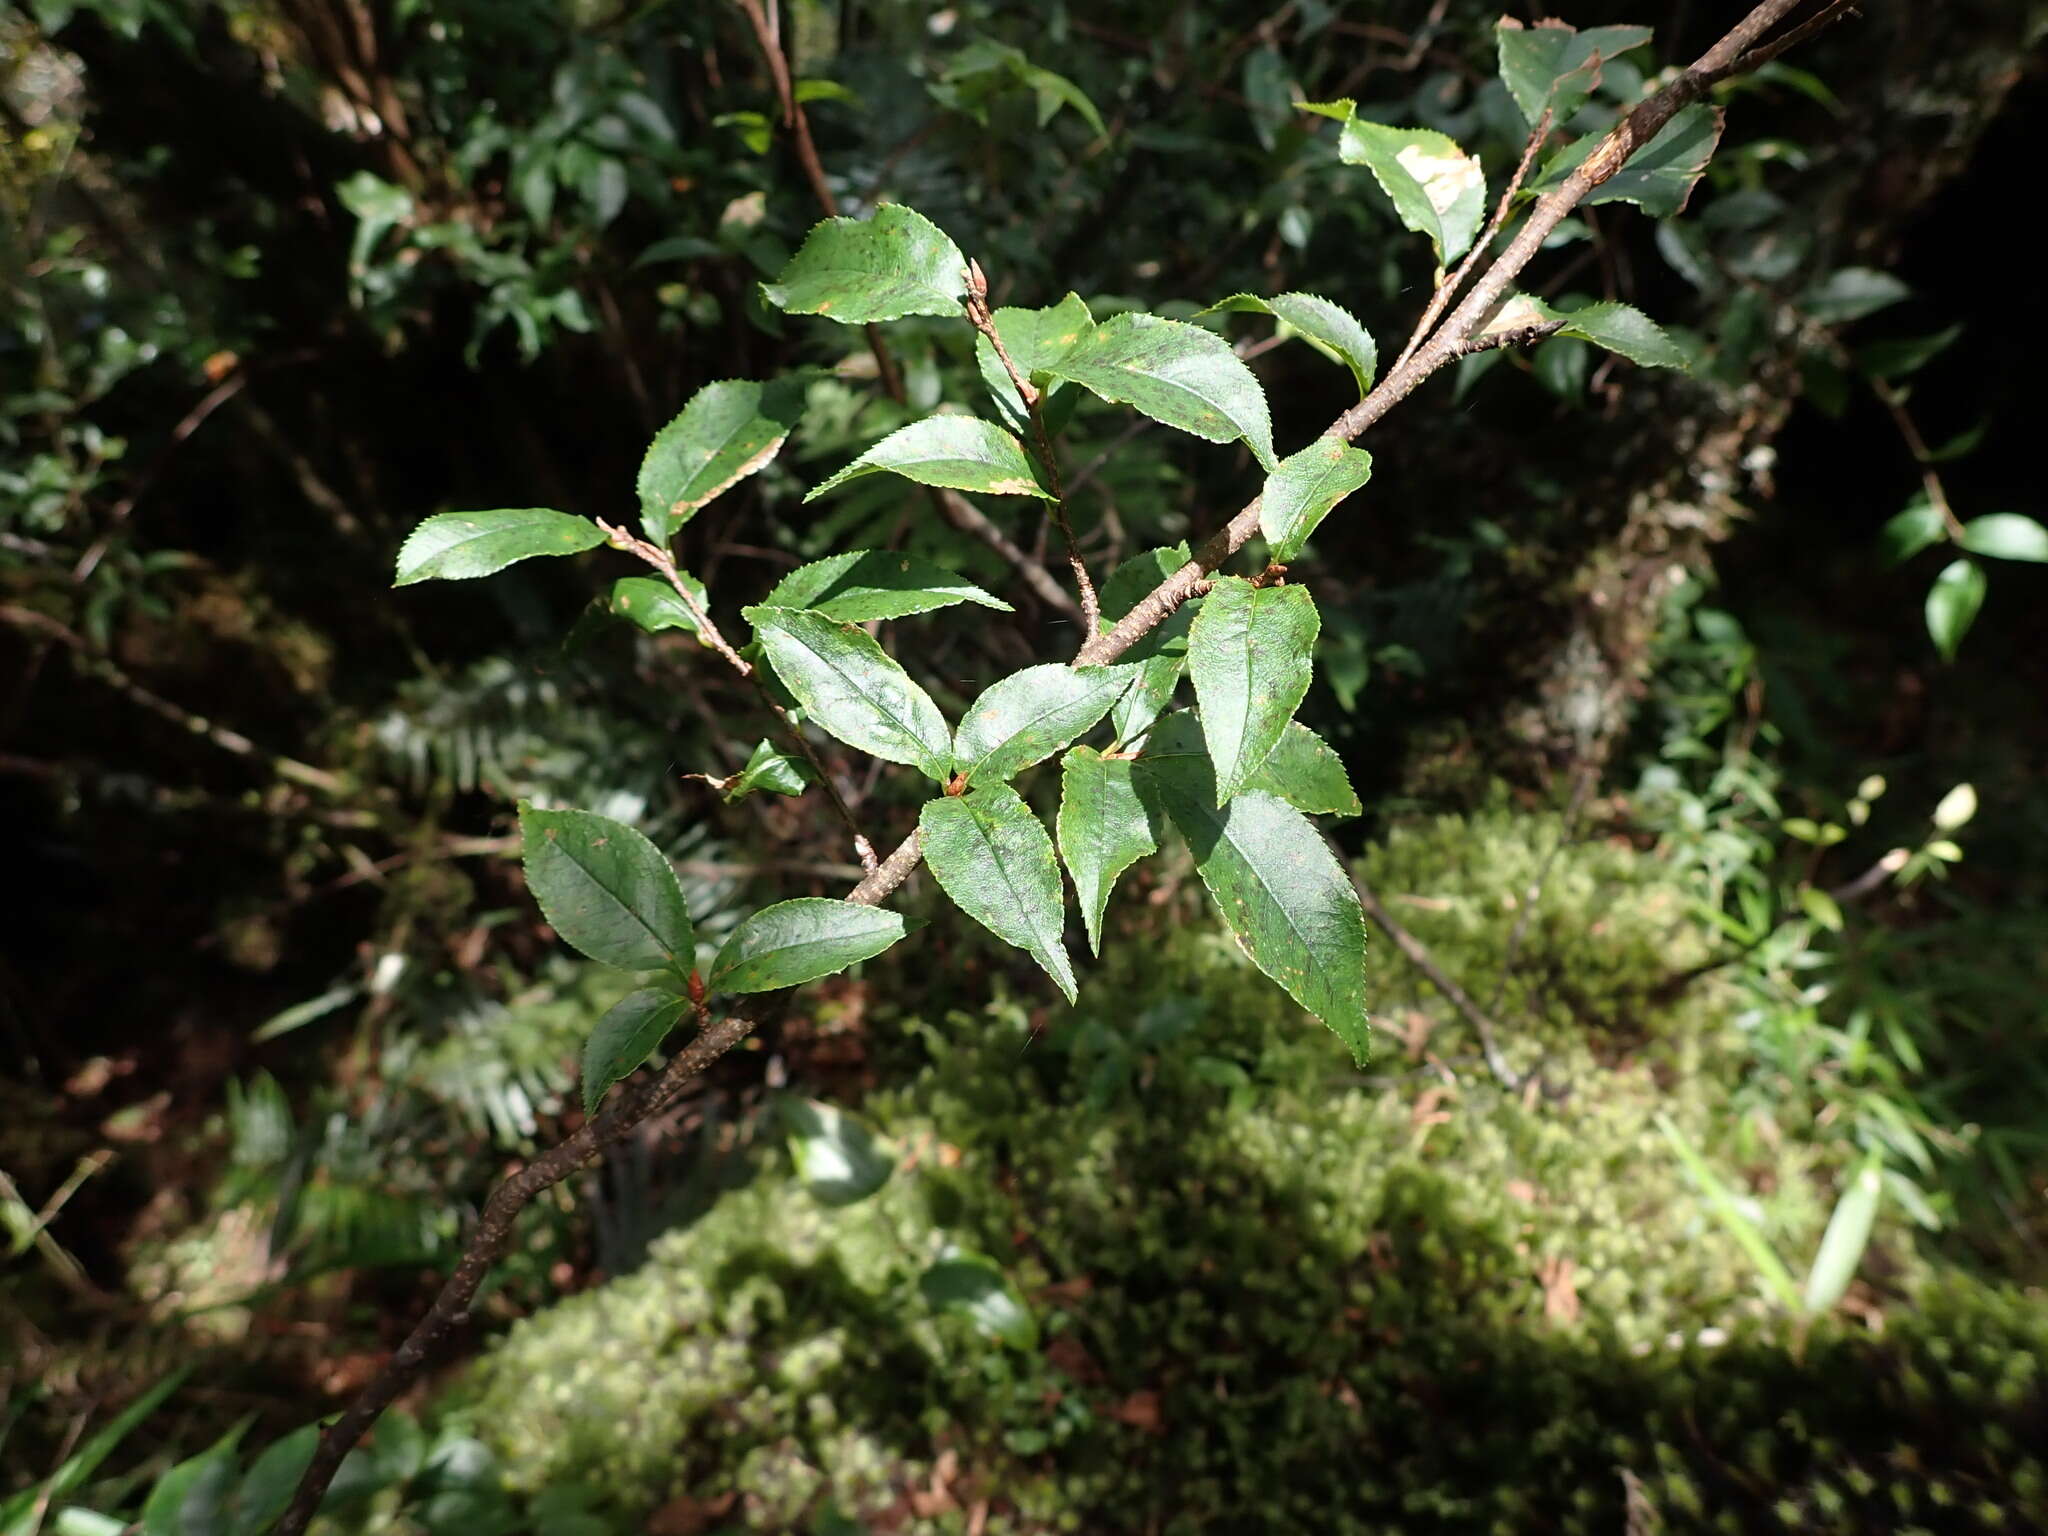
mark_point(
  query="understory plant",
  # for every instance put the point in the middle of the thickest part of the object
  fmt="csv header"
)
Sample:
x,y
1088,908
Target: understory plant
x,y
1233,775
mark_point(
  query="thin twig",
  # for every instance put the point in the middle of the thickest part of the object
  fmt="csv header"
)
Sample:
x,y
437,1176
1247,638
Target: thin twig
x,y
1930,478
1419,956
709,632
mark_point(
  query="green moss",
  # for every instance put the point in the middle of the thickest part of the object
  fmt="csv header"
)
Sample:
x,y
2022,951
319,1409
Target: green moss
x,y
1280,1294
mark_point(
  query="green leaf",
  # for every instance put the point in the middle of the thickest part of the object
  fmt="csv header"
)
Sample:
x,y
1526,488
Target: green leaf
x,y
1553,65
990,855
1329,328
1722,1201
1956,809
839,1160
975,1288
797,941
1249,653
728,431
962,453
1035,340
852,270
625,1037
1161,654
1913,530
1850,293
1272,877
187,1500
1180,375
854,689
1619,328
769,770
1104,829
606,890
1848,1234
1436,188
1302,770
271,1479
75,1468
1908,354
1301,491
452,546
1659,177
2005,536
866,584
654,605
1952,604
1029,715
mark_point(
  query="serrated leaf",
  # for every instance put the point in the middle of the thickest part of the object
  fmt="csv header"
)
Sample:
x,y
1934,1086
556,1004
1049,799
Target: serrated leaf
x,y
729,430
2005,536
853,688
1303,770
1035,340
654,605
1436,188
1850,293
625,1037
1620,328
976,1288
1952,604
1029,715
838,1159
1555,66
1104,829
1330,328
797,941
1180,375
1904,536
1161,654
454,546
606,890
1272,877
1301,491
859,270
769,770
862,585
991,855
961,453
1660,176
1249,653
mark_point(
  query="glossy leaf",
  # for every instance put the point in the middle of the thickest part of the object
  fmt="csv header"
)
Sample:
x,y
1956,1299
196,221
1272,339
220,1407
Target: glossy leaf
x,y
769,770
866,584
1161,654
1952,604
853,689
2005,536
654,605
1029,715
1303,770
960,453
1301,491
797,941
839,1160
1436,188
1918,527
1659,177
991,855
1249,653
976,1288
858,270
1330,328
606,890
1272,877
453,546
267,1487
1555,66
1104,829
1620,328
1035,340
625,1037
728,431
1178,374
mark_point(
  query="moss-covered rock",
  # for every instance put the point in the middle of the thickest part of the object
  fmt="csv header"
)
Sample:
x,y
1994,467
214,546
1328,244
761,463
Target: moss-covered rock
x,y
1275,1293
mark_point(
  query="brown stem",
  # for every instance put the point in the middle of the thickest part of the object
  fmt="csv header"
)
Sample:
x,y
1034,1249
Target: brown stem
x,y
1930,478
1419,957
450,1309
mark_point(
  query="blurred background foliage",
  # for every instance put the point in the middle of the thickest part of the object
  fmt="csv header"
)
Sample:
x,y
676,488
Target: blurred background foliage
x,y
1631,671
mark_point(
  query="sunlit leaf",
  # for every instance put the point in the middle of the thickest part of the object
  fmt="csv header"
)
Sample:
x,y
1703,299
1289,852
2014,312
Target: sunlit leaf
x,y
1178,374
854,689
961,453
1104,829
1304,487
1029,715
1249,653
606,890
801,940
862,585
858,270
453,546
729,430
991,855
